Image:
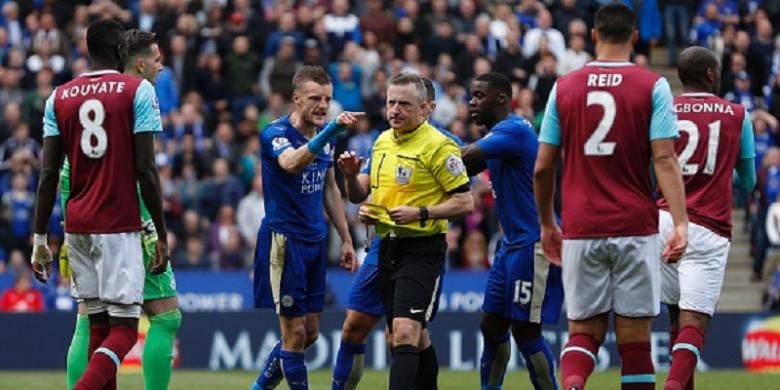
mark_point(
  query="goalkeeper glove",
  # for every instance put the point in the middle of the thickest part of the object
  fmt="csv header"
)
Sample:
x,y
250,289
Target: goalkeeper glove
x,y
64,264
148,238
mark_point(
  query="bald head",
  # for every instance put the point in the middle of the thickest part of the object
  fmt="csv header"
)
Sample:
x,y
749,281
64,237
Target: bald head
x,y
699,68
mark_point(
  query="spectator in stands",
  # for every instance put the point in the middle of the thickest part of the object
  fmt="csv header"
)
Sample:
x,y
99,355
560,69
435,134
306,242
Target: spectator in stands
x,y
248,162
35,101
190,155
147,17
22,297
287,28
279,70
475,255
347,80
242,68
12,117
12,24
527,13
251,211
763,47
275,108
377,20
741,93
737,64
575,57
181,61
193,226
20,141
224,145
754,61
566,13
544,29
442,41
342,26
726,9
194,255
225,240
19,201
765,128
490,43
708,27
768,189
11,91
464,62
773,99
222,189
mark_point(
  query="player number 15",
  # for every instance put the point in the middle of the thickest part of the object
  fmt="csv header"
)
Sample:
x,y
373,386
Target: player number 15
x,y
522,292
93,128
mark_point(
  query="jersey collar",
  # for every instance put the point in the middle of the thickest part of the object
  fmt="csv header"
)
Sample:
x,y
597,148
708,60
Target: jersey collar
x,y
697,94
409,135
610,64
99,73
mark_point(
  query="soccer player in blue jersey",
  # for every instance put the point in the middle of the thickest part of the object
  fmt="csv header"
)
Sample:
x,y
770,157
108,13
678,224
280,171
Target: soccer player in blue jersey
x,y
291,253
523,290
365,307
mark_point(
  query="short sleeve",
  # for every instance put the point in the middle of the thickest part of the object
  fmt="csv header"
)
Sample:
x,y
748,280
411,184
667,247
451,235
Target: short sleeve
x,y
663,122
447,166
508,140
275,141
366,168
50,127
146,109
747,143
551,125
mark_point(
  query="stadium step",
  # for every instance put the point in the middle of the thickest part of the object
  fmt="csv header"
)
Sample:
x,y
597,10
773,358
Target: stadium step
x,y
739,293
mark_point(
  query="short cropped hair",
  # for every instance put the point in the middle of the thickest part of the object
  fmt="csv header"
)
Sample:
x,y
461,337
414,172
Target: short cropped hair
x,y
106,41
139,42
413,79
693,64
430,91
310,73
496,81
615,23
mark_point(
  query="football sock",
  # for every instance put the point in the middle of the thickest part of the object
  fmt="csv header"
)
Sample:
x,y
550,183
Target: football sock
x,y
78,352
406,359
427,370
271,375
685,355
492,364
294,368
98,331
158,349
636,368
104,363
349,366
540,363
578,359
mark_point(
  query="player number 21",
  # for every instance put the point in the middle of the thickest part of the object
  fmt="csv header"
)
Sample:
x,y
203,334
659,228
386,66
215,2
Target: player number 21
x,y
93,128
693,141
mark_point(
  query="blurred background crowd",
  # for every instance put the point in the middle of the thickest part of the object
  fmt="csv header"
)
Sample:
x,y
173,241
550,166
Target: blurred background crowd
x,y
228,70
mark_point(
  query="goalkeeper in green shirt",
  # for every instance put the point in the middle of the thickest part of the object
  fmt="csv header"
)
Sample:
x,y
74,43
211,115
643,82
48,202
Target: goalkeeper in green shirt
x,y
160,302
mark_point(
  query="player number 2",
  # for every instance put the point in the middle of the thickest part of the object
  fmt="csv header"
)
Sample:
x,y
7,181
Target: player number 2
x,y
522,292
93,128
595,145
693,141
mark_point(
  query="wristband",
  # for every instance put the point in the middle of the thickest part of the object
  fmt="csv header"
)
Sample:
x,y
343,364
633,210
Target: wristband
x,y
318,142
423,216
40,240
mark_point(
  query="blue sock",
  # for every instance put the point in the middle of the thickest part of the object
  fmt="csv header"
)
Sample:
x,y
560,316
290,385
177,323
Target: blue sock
x,y
540,363
271,375
345,363
294,367
492,364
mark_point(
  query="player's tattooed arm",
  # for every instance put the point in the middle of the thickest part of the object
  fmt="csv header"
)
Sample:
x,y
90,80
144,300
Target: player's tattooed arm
x,y
151,193
473,159
334,206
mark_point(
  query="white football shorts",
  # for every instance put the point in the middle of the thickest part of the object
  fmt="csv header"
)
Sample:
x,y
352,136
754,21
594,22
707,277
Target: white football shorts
x,y
695,282
619,274
108,267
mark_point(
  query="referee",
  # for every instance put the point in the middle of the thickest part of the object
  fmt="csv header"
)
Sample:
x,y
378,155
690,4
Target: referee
x,y
417,181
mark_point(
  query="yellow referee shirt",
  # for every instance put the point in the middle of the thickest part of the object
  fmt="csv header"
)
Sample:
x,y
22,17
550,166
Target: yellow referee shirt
x,y
418,169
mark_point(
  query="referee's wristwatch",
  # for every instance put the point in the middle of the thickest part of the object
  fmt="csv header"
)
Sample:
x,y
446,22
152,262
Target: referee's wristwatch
x,y
423,216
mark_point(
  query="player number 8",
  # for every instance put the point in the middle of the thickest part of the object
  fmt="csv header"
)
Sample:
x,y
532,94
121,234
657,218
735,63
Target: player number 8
x,y
93,127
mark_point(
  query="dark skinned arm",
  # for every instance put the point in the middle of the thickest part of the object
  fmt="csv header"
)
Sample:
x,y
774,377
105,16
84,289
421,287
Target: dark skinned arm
x,y
47,185
473,159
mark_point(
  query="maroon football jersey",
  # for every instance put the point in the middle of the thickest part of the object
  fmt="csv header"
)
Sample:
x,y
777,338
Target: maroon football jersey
x,y
708,148
605,112
95,117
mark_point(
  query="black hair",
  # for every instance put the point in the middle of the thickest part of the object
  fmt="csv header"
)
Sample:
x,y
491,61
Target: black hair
x,y
693,64
615,23
498,82
106,42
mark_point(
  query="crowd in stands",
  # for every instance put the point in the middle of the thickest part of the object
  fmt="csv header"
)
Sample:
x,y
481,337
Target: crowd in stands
x,y
228,70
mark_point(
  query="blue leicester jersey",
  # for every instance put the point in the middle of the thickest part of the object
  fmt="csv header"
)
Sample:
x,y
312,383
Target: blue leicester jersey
x,y
293,201
510,150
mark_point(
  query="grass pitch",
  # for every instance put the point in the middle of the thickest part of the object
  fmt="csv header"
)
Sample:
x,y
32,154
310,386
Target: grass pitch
x,y
320,380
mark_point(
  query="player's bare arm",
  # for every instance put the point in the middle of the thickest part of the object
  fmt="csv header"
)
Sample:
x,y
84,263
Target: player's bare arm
x,y
356,183
544,190
294,160
47,192
473,159
149,181
667,171
334,206
459,204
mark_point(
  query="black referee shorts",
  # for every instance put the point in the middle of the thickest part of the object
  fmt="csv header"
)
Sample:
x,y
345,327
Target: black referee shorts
x,y
409,271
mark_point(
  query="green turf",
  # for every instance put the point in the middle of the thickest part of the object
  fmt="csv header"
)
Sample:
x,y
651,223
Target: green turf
x,y
320,380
